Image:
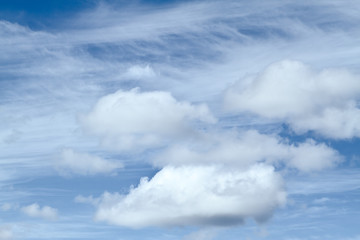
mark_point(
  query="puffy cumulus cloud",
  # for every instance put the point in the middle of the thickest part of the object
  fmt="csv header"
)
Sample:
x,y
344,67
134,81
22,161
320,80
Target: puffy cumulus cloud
x,y
72,162
323,101
196,195
249,148
312,156
45,212
126,120
338,123
6,233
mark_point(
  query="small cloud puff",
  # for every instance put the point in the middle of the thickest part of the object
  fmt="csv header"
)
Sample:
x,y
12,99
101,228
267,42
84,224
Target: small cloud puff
x,y
45,212
6,233
90,200
8,206
137,72
72,162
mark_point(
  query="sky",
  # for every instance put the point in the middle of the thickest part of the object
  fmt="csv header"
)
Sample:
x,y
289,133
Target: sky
x,y
179,120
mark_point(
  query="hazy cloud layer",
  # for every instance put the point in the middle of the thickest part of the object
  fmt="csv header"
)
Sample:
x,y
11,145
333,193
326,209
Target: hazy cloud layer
x,y
6,233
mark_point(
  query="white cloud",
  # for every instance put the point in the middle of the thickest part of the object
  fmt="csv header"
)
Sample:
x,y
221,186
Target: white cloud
x,y
214,49
90,199
45,212
139,72
126,120
325,101
107,24
72,162
310,156
6,233
8,206
190,195
248,148
332,122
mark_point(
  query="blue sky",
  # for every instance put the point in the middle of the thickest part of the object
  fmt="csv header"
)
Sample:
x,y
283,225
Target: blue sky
x,y
183,120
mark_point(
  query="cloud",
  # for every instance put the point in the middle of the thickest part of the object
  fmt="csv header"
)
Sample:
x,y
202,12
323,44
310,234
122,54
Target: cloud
x,y
310,156
189,195
72,162
137,72
6,233
329,182
108,24
199,48
90,199
128,120
8,206
250,147
322,101
45,212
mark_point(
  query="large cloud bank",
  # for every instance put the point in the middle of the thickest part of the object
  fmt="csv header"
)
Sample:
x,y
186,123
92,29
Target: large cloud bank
x,y
207,176
215,168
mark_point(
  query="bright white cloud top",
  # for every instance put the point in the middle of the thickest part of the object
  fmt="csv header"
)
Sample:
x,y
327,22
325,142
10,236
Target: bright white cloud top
x,y
187,195
179,120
